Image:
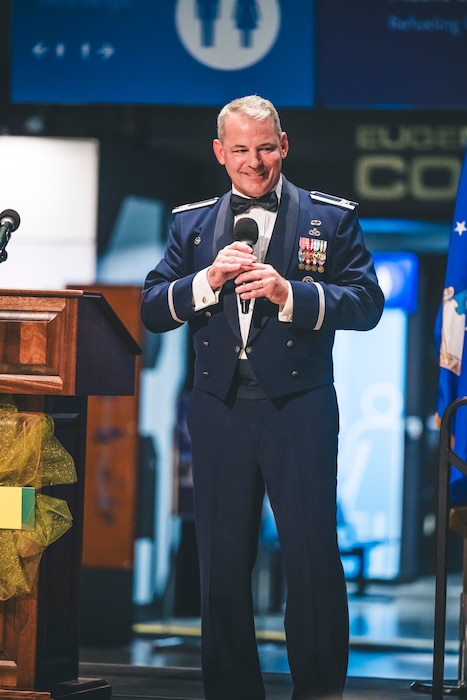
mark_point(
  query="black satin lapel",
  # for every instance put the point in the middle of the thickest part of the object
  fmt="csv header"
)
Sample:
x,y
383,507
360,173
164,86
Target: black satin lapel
x,y
223,230
281,248
284,235
223,235
230,306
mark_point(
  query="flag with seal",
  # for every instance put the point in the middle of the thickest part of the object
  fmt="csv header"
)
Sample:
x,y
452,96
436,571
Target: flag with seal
x,y
450,335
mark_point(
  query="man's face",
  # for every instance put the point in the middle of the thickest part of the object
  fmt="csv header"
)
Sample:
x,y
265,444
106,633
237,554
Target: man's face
x,y
252,153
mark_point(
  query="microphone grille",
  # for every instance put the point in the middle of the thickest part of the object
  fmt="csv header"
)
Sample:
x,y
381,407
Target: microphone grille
x,y
246,230
12,215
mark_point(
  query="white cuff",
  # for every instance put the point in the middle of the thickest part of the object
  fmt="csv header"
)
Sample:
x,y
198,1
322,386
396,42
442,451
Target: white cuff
x,y
286,313
203,295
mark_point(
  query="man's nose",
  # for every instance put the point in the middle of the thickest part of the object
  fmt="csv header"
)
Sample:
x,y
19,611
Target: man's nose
x,y
254,159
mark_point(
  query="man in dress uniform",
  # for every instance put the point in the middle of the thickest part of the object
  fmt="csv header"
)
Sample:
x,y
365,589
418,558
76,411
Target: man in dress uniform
x,y
264,276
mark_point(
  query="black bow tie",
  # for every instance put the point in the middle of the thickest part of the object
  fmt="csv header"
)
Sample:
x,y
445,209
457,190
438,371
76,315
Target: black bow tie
x,y
240,204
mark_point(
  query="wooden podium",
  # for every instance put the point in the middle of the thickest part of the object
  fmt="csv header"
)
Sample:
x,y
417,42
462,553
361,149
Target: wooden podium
x,y
56,349
111,510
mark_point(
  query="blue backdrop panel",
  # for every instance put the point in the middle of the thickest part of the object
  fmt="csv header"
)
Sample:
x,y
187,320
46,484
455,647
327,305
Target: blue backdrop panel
x,y
392,53
174,52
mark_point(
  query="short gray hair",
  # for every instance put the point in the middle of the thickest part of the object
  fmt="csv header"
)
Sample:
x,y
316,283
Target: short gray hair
x,y
253,107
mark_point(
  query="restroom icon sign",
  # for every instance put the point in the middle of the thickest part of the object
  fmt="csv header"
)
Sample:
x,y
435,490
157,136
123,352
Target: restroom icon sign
x,y
228,34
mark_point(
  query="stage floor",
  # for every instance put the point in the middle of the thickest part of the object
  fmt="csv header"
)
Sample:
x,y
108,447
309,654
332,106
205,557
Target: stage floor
x,y
391,646
136,683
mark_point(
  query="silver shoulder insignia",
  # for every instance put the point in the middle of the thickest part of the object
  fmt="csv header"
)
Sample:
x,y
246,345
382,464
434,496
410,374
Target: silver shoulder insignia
x,y
195,205
332,199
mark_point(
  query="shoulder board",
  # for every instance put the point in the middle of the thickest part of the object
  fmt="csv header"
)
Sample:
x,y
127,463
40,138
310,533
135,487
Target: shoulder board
x,y
332,199
195,205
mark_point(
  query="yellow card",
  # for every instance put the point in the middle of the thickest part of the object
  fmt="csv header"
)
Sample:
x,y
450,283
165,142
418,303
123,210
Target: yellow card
x,y
17,507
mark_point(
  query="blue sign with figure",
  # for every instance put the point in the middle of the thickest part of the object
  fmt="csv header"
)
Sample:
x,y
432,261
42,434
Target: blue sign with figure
x,y
173,52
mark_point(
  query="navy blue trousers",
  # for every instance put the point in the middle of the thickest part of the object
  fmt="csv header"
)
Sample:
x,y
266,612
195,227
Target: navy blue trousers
x,y
288,447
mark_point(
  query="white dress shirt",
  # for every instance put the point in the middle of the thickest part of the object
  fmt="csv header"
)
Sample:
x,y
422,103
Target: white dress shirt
x,y
204,296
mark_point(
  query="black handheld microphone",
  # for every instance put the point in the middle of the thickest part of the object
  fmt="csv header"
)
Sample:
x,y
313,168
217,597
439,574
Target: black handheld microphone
x,y
246,230
9,222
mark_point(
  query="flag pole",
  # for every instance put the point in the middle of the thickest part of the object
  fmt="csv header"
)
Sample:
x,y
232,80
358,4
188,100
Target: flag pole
x,y
447,457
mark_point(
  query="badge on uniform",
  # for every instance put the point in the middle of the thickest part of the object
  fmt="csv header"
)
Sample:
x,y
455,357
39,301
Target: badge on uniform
x,y
312,254
315,231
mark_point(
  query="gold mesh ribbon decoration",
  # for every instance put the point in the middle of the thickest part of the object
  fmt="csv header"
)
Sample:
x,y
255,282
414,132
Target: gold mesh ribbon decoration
x,y
31,455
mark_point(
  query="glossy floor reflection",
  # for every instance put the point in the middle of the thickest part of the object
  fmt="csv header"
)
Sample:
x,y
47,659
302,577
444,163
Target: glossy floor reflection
x,y
391,633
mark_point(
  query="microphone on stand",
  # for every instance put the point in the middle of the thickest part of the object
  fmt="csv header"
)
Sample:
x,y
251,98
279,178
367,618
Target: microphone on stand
x,y
9,222
246,231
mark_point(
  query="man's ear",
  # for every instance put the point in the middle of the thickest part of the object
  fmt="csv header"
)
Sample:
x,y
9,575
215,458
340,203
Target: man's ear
x,y
218,151
284,145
